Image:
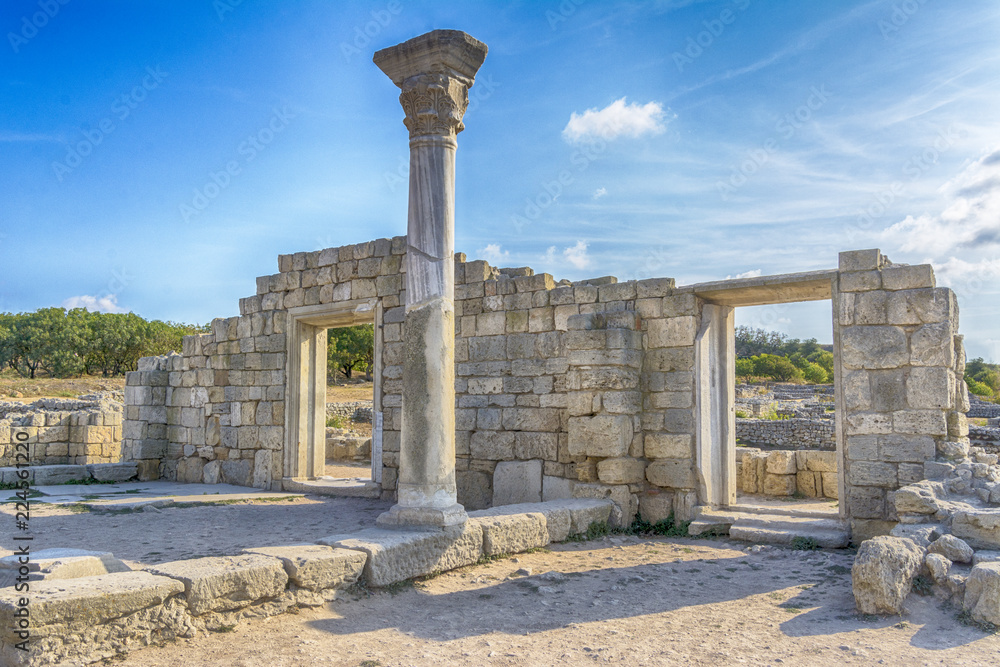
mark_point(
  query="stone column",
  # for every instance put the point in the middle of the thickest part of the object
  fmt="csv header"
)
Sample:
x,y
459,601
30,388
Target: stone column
x,y
434,72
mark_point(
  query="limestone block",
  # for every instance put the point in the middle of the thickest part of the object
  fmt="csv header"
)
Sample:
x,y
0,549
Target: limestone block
x,y
860,260
979,528
752,472
517,482
919,498
781,462
113,472
874,347
906,448
953,548
779,485
857,390
860,281
80,621
492,445
512,533
870,308
191,470
557,517
656,506
225,583
315,567
212,472
930,387
626,504
982,593
531,419
921,306
57,474
621,470
985,556
671,473
262,469
672,332
238,472
921,422
809,484
831,485
900,277
61,564
601,435
888,390
398,555
475,489
938,566
883,573
816,461
872,473
667,446
932,345
536,446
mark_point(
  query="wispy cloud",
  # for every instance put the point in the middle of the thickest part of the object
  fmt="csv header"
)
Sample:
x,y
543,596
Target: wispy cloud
x,y
599,192
493,254
101,304
577,255
615,120
969,221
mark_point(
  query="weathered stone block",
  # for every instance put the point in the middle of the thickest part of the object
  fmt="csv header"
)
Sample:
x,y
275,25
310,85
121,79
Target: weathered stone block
x,y
601,435
930,387
623,470
906,448
980,528
398,555
671,473
779,485
932,345
512,533
816,461
225,583
61,564
874,347
626,504
781,462
953,548
900,277
656,506
982,593
317,568
517,482
474,488
883,573
668,446
860,260
672,332
872,473
492,445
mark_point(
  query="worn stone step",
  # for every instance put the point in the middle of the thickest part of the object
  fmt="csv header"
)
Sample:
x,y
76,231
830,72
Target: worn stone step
x,y
825,538
769,528
328,486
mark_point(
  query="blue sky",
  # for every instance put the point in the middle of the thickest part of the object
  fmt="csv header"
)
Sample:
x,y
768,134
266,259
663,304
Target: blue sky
x,y
157,156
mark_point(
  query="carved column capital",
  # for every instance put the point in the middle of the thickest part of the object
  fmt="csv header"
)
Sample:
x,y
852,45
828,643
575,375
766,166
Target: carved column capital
x,y
434,105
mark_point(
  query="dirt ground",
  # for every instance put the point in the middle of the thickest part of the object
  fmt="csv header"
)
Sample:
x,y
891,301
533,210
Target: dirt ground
x,y
15,388
617,600
353,390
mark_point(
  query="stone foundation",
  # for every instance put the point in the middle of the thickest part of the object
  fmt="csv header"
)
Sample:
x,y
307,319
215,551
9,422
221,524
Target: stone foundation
x,y
63,431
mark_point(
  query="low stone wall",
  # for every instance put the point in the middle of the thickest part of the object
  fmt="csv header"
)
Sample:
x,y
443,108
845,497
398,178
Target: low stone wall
x,y
88,607
63,431
356,411
788,433
980,409
343,445
812,474
985,437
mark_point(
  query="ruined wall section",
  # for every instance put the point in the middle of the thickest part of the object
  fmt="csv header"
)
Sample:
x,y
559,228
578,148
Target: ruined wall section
x,y
902,363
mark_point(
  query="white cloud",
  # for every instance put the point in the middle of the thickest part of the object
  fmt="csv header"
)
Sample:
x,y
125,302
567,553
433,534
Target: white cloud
x,y
550,255
102,304
753,273
600,192
614,120
970,221
493,254
577,255
969,278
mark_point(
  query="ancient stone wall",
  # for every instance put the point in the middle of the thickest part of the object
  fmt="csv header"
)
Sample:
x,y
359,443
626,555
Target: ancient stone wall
x,y
358,411
982,409
582,389
807,473
901,362
63,431
788,433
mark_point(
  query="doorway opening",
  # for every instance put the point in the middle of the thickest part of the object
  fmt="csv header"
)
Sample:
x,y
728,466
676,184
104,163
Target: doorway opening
x,y
350,461
789,458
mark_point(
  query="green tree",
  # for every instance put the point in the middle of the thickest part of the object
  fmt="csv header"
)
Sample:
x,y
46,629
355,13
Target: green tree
x,y
744,368
775,367
349,349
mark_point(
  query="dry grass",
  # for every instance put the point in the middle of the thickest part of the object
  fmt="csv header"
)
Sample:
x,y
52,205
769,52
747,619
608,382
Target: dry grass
x,y
14,387
355,391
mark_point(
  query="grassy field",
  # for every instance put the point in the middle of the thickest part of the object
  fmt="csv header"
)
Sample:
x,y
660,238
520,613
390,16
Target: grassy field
x,y
14,387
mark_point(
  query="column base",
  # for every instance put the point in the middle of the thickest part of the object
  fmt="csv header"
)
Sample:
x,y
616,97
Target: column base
x,y
399,516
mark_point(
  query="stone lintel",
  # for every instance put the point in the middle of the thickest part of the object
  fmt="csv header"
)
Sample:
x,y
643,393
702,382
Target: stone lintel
x,y
765,290
451,52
